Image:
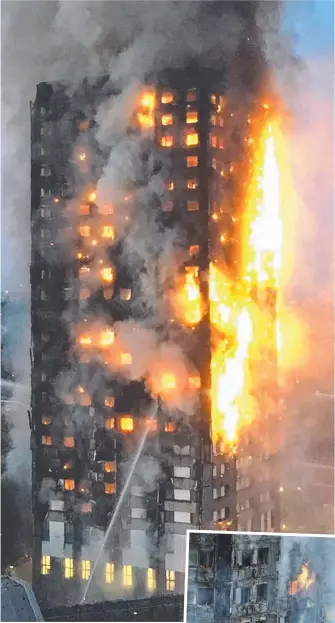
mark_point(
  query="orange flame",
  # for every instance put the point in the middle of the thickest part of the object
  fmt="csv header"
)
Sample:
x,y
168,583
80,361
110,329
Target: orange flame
x,y
187,302
304,580
146,114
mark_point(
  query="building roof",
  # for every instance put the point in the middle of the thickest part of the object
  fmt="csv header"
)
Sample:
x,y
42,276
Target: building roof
x,y
18,602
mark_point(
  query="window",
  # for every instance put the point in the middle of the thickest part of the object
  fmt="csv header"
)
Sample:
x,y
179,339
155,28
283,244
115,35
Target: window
x,y
195,382
108,232
222,513
249,525
110,488
69,442
167,97
167,119
85,231
125,294
245,594
85,569
127,575
215,494
215,516
169,184
214,164
192,139
213,120
262,591
213,140
213,99
191,116
182,494
247,556
169,427
126,359
45,171
46,440
86,507
45,565
46,420
263,555
214,471
170,577
194,249
126,424
223,491
221,143
138,513
167,141
69,484
109,401
68,568
167,206
151,579
182,517
85,209
222,469
192,206
192,184
110,466
181,472
110,572
110,423
192,161
191,95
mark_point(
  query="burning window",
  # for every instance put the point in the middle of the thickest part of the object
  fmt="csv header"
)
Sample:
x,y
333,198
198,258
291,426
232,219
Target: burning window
x,y
125,294
167,97
195,382
68,568
110,488
85,231
167,141
85,209
85,340
169,185
69,484
169,427
92,196
213,99
110,572
151,425
221,143
192,184
213,140
167,119
84,125
170,578
82,156
191,139
194,249
109,401
46,440
107,274
126,424
127,575
106,338
126,359
214,120
151,579
191,95
110,467
192,161
46,420
192,206
69,442
85,569
192,116
110,423
45,565
108,232
85,400
146,114
86,507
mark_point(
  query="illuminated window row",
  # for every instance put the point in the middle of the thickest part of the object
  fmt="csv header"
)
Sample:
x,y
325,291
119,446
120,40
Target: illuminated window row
x,y
191,140
191,183
169,119
169,97
124,293
107,232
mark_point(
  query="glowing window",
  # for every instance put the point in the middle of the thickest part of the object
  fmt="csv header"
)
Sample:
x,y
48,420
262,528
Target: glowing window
x,y
151,579
194,249
192,161
106,338
110,488
108,232
84,270
110,572
86,507
110,423
85,231
167,119
107,274
152,425
45,565
192,116
169,184
167,141
214,164
214,140
213,99
68,568
92,196
191,95
170,577
195,382
192,139
126,359
46,420
85,400
85,569
109,401
126,424
222,100
46,440
192,206
167,97
85,340
85,209
127,575
214,120
68,484
192,184
125,294
69,442
110,466
169,427
221,144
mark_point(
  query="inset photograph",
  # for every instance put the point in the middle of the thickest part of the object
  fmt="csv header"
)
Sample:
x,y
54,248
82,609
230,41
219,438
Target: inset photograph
x,y
249,578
